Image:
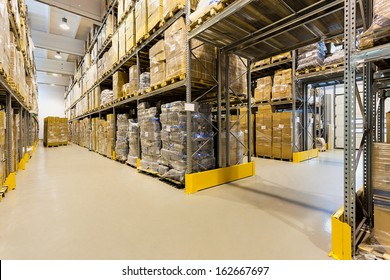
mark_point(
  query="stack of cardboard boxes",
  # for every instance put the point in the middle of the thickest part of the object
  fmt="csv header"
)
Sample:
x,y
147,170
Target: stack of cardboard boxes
x,y
141,19
157,63
55,131
263,89
281,88
118,80
264,131
2,146
282,134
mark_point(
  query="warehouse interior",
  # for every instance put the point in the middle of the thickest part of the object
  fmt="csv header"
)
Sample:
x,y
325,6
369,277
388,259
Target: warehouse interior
x,y
193,129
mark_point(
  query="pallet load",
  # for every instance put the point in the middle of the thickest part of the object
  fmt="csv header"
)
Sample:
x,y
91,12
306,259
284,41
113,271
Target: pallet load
x,y
311,56
118,80
280,57
381,187
236,142
204,7
237,76
133,142
282,135
4,39
202,67
150,135
282,86
244,127
141,20
106,97
335,59
379,31
15,140
110,144
263,89
264,131
144,81
55,131
133,80
94,142
155,13
122,140
157,63
122,40
102,135
130,32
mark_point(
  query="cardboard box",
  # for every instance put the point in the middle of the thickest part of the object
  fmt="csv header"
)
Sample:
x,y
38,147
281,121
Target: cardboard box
x,y
382,223
263,89
282,84
174,38
141,19
114,54
133,79
157,63
264,134
244,128
122,40
130,35
381,168
155,13
118,80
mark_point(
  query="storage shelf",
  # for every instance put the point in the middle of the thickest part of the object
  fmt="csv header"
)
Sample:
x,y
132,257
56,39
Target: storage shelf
x,y
268,70
5,88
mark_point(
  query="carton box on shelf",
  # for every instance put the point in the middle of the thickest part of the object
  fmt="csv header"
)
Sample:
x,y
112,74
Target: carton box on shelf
x,y
114,55
264,134
282,134
382,223
118,80
381,169
122,40
121,9
130,31
110,136
237,76
263,89
157,63
155,13
282,85
133,79
141,19
244,128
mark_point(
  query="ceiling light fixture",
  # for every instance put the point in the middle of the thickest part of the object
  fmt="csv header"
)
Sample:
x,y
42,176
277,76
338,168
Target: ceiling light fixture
x,y
55,74
58,55
64,25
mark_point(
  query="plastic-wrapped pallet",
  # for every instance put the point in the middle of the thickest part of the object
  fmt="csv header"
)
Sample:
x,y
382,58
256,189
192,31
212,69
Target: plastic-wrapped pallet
x,y
157,63
282,86
144,81
282,134
106,96
150,135
110,135
203,7
173,162
335,58
133,142
236,143
380,27
311,56
263,89
122,145
133,79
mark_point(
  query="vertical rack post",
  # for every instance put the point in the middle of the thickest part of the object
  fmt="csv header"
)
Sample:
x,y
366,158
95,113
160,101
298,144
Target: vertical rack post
x,y
219,116
9,125
21,144
381,117
294,100
90,133
349,120
188,87
314,119
305,119
227,104
249,108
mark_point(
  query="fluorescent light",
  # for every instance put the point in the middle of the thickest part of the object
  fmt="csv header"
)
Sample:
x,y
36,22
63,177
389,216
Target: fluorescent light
x,y
55,74
64,24
58,55
53,85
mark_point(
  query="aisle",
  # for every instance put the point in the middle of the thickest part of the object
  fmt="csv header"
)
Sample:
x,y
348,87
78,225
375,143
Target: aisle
x,y
74,204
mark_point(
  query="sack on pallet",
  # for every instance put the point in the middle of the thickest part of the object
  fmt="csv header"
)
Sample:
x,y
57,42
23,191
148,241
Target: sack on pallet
x,y
336,58
106,96
144,80
380,27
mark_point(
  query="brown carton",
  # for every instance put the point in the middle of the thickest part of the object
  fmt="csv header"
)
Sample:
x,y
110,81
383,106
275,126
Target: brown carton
x,y
381,168
382,224
155,13
122,40
263,89
114,55
130,28
133,79
118,80
141,19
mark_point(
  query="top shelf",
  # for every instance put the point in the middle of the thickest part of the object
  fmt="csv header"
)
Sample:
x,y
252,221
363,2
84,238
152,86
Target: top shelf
x,y
247,28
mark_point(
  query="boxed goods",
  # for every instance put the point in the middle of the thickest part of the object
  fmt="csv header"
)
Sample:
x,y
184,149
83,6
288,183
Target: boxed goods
x,y
381,169
263,89
106,97
203,7
311,56
55,131
173,161
237,76
281,88
141,19
150,135
236,143
380,27
157,63
382,223
118,80
244,127
155,13
171,6
114,51
388,126
282,134
202,67
133,79
122,145
63,131
130,29
2,146
133,142
122,40
264,134
110,136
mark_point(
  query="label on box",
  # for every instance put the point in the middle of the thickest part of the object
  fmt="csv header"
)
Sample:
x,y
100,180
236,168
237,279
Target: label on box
x,y
173,48
263,127
146,134
168,128
281,126
155,69
297,120
189,107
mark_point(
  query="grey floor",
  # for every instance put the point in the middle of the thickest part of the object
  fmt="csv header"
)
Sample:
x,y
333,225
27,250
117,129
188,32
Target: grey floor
x,y
74,204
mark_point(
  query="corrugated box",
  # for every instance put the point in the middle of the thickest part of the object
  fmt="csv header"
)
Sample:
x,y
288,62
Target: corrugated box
x,y
130,27
157,63
133,79
382,223
114,55
155,13
381,169
141,19
118,80
282,84
263,89
122,40
264,134
244,127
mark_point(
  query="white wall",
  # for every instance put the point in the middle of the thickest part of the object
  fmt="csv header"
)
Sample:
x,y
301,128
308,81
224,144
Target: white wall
x,y
50,103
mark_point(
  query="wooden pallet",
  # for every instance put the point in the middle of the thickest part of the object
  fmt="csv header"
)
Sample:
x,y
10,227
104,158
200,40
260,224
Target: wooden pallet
x,y
171,13
281,57
310,70
51,145
264,101
130,164
148,172
282,99
282,159
265,157
144,91
143,39
332,66
175,79
174,183
209,14
261,63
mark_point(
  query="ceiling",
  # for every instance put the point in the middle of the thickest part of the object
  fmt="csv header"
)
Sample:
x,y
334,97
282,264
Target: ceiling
x,y
45,17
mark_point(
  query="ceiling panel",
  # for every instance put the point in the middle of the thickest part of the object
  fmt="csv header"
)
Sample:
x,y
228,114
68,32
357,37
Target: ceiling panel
x,y
38,14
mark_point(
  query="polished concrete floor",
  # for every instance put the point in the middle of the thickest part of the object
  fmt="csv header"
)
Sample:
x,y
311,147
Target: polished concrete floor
x,y
74,204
